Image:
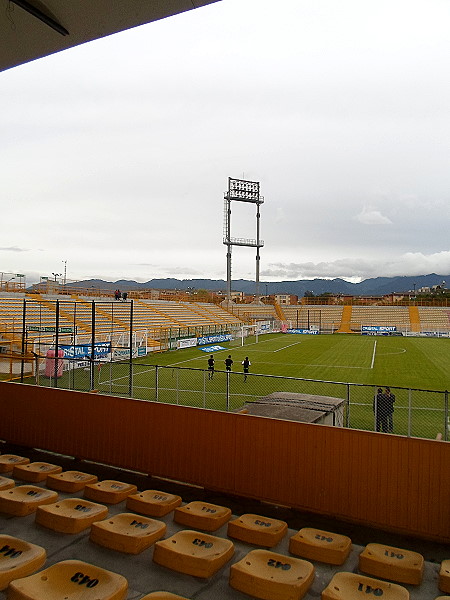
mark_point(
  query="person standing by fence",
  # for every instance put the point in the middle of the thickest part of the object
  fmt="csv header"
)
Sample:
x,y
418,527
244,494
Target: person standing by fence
x,y
380,408
390,399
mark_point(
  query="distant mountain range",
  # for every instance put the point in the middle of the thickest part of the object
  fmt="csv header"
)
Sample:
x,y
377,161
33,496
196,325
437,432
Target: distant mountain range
x,y
369,287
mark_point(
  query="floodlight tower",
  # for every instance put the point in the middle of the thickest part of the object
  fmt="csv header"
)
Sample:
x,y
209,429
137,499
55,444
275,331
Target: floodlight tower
x,y
241,190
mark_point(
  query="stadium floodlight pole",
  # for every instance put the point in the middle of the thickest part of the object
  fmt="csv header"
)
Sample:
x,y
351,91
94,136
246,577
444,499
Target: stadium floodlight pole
x,y
227,233
258,216
65,272
241,190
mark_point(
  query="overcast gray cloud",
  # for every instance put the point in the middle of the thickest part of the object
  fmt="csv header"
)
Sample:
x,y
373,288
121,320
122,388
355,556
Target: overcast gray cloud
x,y
116,154
369,216
13,249
356,269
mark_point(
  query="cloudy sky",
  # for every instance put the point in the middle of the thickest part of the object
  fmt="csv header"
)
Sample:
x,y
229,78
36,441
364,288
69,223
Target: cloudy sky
x,y
115,155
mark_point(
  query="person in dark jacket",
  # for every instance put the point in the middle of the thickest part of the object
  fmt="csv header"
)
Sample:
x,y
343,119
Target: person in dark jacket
x,y
210,367
246,365
380,408
390,399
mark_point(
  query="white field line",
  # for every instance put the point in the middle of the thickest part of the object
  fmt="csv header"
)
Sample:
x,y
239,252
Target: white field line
x,y
284,347
127,376
373,354
401,351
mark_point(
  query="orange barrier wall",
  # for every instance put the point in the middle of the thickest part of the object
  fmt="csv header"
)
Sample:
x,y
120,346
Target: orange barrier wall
x,y
390,482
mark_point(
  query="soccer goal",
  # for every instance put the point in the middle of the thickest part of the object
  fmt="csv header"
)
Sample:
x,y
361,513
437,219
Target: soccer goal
x,y
245,334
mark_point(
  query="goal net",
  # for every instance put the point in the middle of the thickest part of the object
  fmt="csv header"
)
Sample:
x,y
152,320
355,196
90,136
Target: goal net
x,y
245,334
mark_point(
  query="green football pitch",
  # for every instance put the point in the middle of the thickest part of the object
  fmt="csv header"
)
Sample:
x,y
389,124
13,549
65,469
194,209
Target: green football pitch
x,y
410,362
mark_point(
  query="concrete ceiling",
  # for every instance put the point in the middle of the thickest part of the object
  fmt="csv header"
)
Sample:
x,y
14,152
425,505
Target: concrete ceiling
x,y
60,24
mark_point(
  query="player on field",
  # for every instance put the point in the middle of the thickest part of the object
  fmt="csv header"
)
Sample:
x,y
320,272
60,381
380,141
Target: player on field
x,y
246,364
228,363
210,367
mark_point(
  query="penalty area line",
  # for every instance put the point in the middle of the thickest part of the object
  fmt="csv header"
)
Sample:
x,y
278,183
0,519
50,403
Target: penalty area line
x,y
284,347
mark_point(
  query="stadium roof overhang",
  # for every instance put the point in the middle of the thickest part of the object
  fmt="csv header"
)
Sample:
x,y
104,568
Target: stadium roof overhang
x,y
31,29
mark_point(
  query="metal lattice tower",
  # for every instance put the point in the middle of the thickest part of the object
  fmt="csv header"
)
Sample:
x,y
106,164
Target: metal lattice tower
x,y
240,190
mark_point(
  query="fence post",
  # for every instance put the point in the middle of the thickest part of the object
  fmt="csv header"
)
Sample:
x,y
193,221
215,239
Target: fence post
x,y
91,360
347,416
74,343
36,368
409,411
375,412
56,359
446,416
22,362
156,383
130,383
110,375
204,389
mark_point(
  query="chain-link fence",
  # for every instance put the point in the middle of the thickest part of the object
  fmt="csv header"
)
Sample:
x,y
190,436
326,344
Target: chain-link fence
x,y
84,331
402,411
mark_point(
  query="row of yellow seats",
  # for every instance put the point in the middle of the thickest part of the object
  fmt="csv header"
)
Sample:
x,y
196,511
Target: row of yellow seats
x,y
261,573
74,515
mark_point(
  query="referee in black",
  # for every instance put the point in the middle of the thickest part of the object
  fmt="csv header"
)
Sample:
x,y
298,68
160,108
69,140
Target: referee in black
x,y
210,367
246,364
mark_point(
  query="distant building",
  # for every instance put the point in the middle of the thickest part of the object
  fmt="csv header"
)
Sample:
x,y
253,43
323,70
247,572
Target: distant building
x,y
286,299
239,296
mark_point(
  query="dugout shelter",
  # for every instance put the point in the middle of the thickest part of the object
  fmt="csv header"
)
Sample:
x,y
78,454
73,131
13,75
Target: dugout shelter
x,y
304,408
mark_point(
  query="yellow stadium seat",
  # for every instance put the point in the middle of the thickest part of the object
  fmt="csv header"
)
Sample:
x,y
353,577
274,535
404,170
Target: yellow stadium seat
x,y
153,503
323,546
395,564
163,596
7,462
70,579
444,576
71,515
271,576
257,530
35,472
109,491
70,481
18,559
6,483
350,586
24,499
193,553
127,532
202,515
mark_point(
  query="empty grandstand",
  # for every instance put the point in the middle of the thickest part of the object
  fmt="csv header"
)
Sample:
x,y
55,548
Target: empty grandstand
x,y
33,324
